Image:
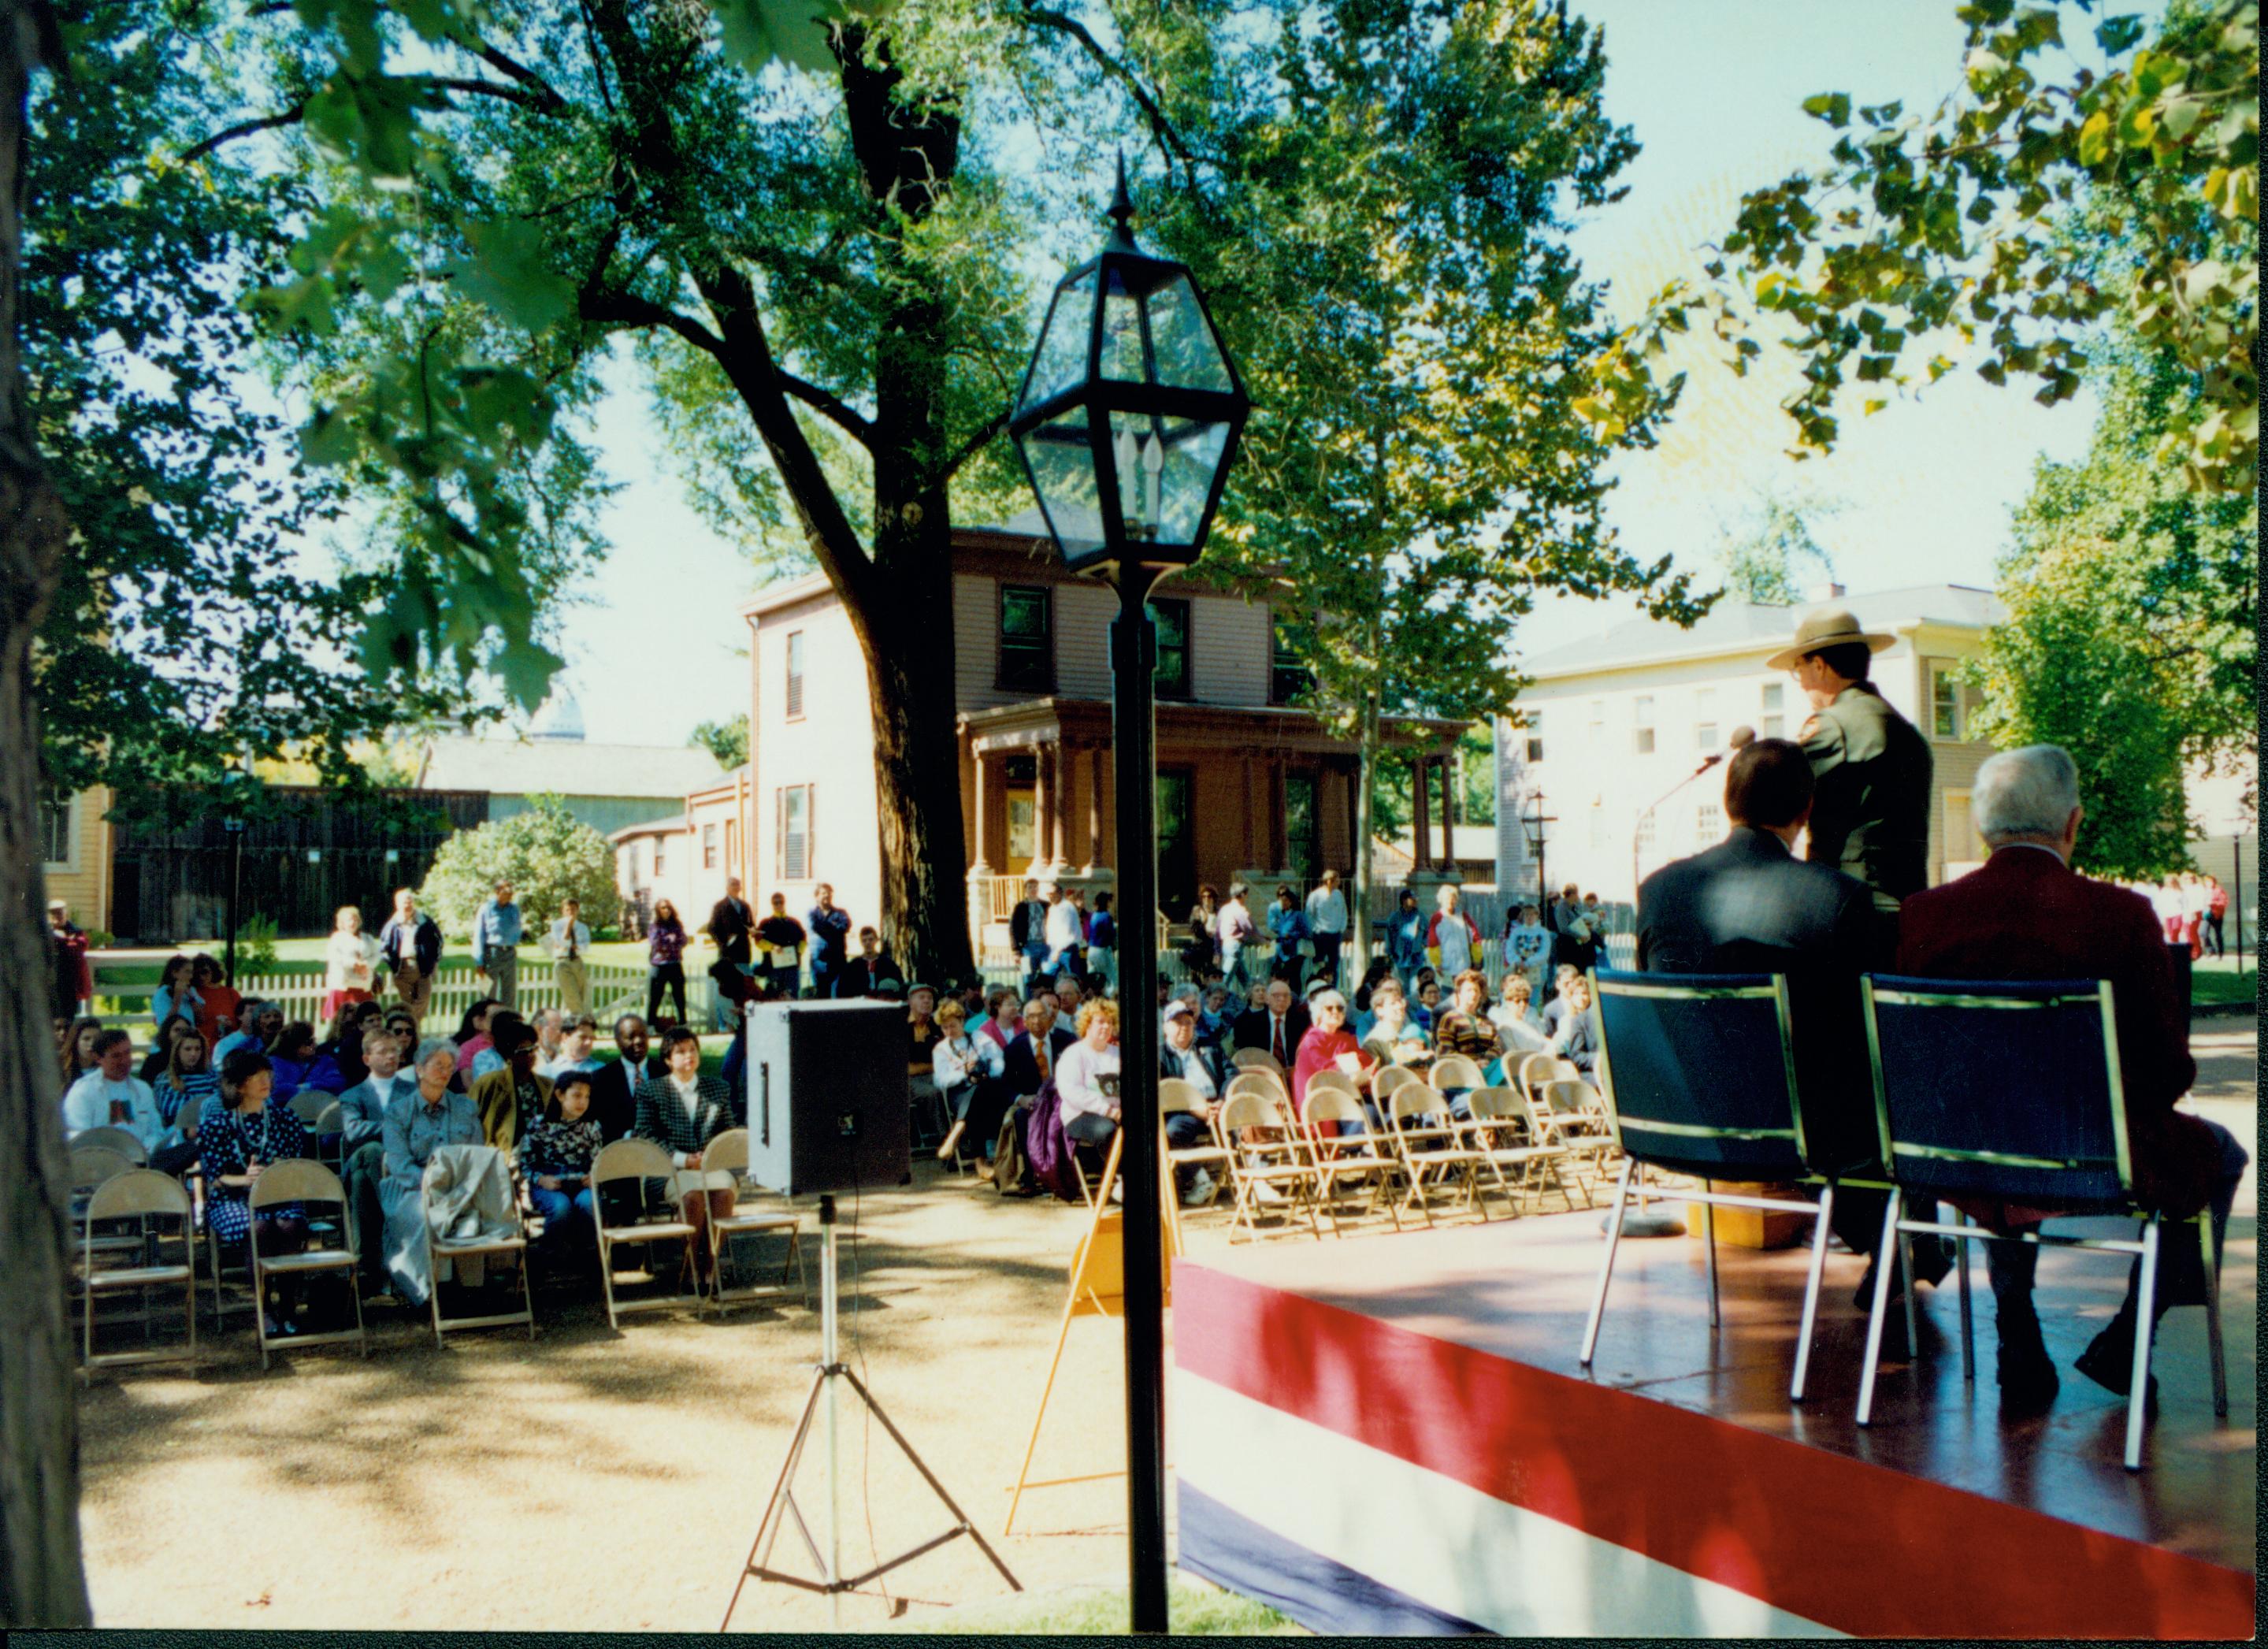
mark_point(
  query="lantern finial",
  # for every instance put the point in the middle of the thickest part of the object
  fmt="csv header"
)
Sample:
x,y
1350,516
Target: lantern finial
x,y
1122,212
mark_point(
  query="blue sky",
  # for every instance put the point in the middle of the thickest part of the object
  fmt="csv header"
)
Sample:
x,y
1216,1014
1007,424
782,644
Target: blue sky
x,y
1712,90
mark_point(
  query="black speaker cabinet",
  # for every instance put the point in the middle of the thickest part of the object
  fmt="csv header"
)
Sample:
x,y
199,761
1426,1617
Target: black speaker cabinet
x,y
829,1105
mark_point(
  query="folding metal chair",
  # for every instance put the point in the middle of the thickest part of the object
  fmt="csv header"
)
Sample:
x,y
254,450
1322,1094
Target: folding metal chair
x,y
1265,1152
1177,1097
126,1143
639,1159
143,1195
515,1245
296,1180
1425,1146
1499,1128
728,1153
1259,1059
2012,1092
1347,1156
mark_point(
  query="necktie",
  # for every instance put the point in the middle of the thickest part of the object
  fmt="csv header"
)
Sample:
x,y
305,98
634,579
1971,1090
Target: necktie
x,y
1041,1049
1278,1043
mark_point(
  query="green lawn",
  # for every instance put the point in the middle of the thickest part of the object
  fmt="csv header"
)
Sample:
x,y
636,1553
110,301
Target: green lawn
x,y
2214,980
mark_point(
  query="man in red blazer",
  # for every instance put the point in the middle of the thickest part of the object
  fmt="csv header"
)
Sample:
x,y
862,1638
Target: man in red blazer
x,y
2026,914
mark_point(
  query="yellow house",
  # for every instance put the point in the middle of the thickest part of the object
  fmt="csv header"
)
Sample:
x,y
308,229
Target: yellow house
x,y
76,843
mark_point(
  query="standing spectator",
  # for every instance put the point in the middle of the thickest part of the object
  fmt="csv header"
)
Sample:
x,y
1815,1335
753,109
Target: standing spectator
x,y
2194,900
1571,933
830,935
73,979
614,1093
1870,813
2166,905
1201,949
1528,947
1405,941
242,1133
1453,941
1327,926
665,955
362,1114
495,944
1066,935
780,949
177,994
567,942
1287,926
348,962
409,948
1102,944
1235,929
2216,911
1028,934
681,1112
555,1159
731,926
218,1003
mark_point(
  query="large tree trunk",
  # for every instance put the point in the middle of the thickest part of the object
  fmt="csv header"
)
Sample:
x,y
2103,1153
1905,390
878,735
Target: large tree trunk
x,y
42,1582
1367,738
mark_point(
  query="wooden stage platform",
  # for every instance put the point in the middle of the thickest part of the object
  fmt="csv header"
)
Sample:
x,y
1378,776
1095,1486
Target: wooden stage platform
x,y
1392,1434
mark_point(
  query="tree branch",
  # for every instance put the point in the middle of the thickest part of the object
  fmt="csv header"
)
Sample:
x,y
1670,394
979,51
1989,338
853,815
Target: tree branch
x,y
860,428
1160,126
432,84
545,97
627,309
973,446
291,116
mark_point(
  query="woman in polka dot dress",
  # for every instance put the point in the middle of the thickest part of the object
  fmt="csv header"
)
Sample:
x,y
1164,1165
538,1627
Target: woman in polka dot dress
x,y
241,1133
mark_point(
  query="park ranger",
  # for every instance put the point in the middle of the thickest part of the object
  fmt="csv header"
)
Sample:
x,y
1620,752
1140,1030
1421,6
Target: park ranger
x,y
1870,817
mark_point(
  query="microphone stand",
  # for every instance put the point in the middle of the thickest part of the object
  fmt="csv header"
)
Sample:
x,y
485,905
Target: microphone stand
x,y
1647,813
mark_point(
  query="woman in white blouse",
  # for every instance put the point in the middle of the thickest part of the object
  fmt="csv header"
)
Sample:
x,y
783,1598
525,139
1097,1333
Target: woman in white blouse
x,y
1522,1035
1090,1102
957,1064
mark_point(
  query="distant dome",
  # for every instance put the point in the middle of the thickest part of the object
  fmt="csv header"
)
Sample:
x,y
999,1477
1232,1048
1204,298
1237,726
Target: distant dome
x,y
561,719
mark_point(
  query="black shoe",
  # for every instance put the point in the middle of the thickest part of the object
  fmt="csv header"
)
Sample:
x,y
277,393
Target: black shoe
x,y
2028,1375
2108,1361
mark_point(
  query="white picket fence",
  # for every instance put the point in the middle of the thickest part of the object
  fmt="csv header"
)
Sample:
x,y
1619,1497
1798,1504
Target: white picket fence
x,y
615,990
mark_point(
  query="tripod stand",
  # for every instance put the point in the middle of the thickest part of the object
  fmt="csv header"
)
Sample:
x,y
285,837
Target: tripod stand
x,y
781,1507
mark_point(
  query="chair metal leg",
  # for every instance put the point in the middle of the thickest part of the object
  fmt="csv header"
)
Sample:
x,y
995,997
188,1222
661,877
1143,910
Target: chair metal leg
x,y
1709,1242
1607,1265
1819,1227
2145,1321
2213,1315
260,1306
1914,1288
1879,1309
1968,1322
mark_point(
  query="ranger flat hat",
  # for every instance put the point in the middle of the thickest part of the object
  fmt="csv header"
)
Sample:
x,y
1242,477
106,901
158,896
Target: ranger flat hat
x,y
1825,627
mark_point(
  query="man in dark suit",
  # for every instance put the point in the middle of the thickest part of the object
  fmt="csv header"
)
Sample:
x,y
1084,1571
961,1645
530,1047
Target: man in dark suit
x,y
1870,814
1748,906
2026,914
613,1088
1275,1029
1028,1064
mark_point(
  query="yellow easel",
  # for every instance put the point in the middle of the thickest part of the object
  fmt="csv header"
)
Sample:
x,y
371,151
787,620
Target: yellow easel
x,y
1098,1289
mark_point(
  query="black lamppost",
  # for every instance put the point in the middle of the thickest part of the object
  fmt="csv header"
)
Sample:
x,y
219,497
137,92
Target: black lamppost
x,y
234,826
1534,824
1127,421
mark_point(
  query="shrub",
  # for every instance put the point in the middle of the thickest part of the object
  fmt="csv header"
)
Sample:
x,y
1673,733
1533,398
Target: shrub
x,y
546,853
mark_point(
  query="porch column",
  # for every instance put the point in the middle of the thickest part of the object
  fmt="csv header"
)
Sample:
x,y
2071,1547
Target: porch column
x,y
1279,827
1421,822
1358,850
983,810
1059,809
1251,836
1449,813
1095,763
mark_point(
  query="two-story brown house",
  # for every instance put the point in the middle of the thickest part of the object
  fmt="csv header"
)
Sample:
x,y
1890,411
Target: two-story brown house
x,y
1248,785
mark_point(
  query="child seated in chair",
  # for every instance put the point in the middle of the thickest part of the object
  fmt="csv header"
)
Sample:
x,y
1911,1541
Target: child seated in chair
x,y
555,1159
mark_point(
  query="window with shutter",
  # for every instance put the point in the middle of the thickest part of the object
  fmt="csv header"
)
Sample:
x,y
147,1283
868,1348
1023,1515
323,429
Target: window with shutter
x,y
795,676
794,808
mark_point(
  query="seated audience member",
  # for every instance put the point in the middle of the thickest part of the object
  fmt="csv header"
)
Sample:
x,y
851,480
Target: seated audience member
x,y
257,1027
1214,1020
362,1112
959,1064
1068,995
76,1047
1393,1039
1428,1005
1749,905
555,1159
112,1096
1556,1010
472,1038
184,1086
550,1027
1027,1066
169,1032
922,1037
490,1059
1329,1046
1276,1026
417,1123
1186,1059
1466,1028
297,1066
1358,1009
613,1088
2026,914
1003,1019
682,1111
243,1131
1086,1077
871,969
579,1050
1521,1035
513,1096
1577,1039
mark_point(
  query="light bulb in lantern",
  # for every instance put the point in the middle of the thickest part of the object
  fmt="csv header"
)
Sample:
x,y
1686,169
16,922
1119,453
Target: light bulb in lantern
x,y
1154,465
